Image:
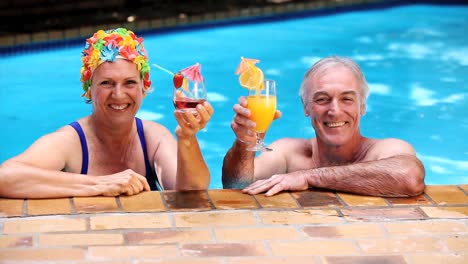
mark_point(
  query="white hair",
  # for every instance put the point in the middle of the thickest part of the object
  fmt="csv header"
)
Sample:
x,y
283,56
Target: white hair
x,y
325,64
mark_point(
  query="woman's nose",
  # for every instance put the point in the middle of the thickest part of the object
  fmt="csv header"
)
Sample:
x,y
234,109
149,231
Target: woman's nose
x,y
117,91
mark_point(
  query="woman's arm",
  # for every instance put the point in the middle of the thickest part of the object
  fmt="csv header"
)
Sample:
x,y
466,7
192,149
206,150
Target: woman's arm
x,y
38,173
180,164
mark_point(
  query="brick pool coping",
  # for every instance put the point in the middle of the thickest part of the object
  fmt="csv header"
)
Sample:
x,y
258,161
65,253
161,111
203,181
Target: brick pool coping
x,y
227,226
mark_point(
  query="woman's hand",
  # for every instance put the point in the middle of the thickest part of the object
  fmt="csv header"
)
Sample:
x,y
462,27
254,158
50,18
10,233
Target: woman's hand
x,y
190,123
126,182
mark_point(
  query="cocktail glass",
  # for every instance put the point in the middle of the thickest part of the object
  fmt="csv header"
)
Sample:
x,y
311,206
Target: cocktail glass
x,y
189,95
189,87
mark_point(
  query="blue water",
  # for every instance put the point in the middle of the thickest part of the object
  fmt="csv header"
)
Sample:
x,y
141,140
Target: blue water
x,y
415,59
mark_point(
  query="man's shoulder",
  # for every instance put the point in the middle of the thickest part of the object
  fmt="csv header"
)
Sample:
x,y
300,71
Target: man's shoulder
x,y
289,140
289,143
390,147
390,142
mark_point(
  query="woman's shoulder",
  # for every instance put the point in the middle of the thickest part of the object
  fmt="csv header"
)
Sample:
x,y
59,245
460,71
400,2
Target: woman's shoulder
x,y
150,125
155,132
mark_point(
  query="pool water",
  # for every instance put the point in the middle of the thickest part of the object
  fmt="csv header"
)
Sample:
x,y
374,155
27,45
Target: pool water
x,y
415,59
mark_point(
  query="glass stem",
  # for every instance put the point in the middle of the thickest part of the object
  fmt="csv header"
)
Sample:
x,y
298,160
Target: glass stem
x,y
260,136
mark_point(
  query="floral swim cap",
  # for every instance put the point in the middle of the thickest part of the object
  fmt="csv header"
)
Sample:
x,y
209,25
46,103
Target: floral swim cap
x,y
110,45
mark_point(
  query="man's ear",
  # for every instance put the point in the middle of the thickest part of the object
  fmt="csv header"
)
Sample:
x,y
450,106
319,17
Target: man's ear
x,y
304,107
363,109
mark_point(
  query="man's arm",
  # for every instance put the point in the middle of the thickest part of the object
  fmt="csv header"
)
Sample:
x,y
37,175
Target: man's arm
x,y
397,176
391,170
238,166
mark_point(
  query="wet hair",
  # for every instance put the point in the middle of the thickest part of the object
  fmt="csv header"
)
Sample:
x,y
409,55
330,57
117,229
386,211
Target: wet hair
x,y
110,45
327,63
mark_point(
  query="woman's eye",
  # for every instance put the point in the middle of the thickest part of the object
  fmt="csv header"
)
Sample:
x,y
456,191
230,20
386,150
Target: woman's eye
x,y
131,83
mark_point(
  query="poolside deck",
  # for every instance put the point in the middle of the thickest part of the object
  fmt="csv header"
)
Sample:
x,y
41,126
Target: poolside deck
x,y
226,226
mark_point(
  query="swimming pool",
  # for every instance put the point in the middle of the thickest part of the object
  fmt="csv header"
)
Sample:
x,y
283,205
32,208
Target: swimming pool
x,y
415,59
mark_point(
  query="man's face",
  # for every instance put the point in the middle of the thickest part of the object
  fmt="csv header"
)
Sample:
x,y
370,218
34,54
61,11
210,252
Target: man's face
x,y
333,102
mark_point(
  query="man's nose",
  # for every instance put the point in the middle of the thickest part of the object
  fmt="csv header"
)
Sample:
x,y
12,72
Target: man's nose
x,y
333,107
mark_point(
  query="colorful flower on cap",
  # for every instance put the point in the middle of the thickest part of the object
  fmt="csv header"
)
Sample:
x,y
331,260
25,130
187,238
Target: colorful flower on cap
x,y
110,45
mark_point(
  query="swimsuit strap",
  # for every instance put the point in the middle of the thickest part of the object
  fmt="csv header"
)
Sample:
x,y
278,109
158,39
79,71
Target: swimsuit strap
x,y
150,174
84,146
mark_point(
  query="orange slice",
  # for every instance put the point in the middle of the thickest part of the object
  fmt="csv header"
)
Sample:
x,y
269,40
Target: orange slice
x,y
252,78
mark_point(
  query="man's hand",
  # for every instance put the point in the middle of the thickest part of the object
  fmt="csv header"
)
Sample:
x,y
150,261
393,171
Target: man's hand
x,y
125,182
242,126
277,183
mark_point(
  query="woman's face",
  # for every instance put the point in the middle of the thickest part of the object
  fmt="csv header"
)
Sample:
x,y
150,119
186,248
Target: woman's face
x,y
116,90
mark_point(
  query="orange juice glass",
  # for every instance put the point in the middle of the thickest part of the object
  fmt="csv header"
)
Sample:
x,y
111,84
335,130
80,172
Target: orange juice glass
x,y
262,105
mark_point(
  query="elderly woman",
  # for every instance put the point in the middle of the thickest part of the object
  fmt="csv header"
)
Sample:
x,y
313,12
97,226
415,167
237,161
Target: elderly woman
x,y
111,152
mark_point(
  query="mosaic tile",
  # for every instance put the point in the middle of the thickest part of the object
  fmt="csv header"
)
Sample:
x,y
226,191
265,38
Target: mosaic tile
x,y
313,198
223,249
270,260
301,216
232,199
48,206
187,200
382,214
361,200
95,204
446,212
214,219
420,199
366,260
11,207
143,202
345,231
15,241
446,194
313,247
280,200
464,187
169,236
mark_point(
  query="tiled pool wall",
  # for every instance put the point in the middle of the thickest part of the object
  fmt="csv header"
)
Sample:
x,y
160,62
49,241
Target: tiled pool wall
x,y
18,43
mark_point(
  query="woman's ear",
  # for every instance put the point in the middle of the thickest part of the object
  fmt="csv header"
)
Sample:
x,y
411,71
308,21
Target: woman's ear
x,y
87,94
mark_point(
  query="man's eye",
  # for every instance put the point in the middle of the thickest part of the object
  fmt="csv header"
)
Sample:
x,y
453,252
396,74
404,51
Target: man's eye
x,y
320,100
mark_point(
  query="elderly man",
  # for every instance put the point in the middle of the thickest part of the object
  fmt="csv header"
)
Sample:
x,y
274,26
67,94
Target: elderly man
x,y
333,93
